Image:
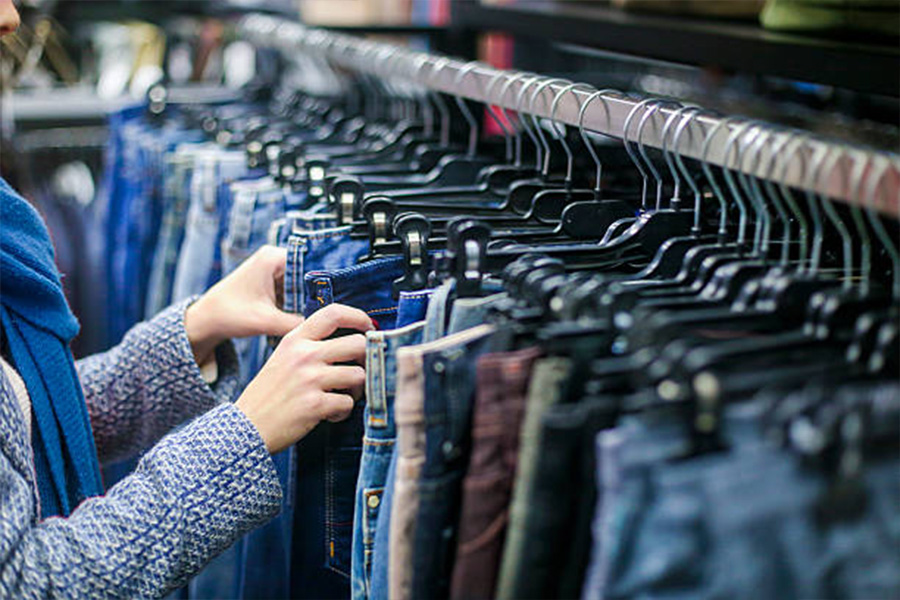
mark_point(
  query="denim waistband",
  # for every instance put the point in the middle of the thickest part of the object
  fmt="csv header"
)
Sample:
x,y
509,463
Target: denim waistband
x,y
367,286
469,312
381,376
308,251
412,307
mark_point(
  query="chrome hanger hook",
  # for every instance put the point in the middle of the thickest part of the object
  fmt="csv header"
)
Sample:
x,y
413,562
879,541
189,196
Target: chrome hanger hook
x,y
584,137
873,185
830,155
675,201
762,140
642,150
489,106
523,119
463,107
545,170
690,116
736,197
517,125
561,135
625,132
794,143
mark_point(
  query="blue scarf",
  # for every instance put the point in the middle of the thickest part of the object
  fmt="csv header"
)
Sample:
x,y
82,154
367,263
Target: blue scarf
x,y
38,327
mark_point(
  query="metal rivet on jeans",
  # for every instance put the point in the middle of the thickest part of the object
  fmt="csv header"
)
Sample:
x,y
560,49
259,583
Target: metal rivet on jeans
x,y
438,367
373,501
447,447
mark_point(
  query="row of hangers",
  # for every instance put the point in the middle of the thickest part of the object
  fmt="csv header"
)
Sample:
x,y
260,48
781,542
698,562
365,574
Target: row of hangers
x,y
670,279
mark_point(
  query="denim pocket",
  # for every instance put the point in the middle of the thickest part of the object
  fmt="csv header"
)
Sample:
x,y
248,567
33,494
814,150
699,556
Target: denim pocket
x,y
340,493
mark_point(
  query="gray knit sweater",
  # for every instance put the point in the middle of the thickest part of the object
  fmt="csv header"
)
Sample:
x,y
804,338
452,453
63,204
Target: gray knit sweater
x,y
193,494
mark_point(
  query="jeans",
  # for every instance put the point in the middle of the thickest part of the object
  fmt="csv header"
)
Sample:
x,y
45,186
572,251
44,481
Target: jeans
x,y
329,458
197,258
142,206
171,233
470,312
378,445
255,206
319,250
544,391
434,400
366,286
499,407
412,307
625,455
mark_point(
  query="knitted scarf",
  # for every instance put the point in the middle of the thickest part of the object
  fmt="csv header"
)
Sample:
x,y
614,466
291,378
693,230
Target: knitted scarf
x,y
38,326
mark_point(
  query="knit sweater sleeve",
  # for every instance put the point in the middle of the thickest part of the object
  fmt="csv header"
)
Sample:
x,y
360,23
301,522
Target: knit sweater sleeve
x,y
191,496
142,388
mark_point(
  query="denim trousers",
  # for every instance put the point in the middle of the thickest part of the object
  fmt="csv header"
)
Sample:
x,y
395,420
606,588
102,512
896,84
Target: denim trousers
x,y
434,400
198,252
142,206
180,166
329,458
367,286
317,250
378,444
544,391
412,306
503,379
255,206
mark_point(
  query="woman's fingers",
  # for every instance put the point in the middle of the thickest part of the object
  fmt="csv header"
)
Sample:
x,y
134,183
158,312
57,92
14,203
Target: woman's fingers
x,y
337,407
340,377
325,322
350,348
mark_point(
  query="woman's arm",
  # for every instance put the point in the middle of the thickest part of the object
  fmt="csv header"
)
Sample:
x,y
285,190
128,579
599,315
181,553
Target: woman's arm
x,y
149,383
190,497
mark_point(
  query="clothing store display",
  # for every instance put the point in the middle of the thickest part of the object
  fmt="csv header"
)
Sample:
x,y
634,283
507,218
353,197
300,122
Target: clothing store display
x,y
631,349
534,419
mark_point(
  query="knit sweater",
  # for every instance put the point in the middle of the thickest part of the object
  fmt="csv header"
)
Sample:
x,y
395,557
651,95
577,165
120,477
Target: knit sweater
x,y
191,496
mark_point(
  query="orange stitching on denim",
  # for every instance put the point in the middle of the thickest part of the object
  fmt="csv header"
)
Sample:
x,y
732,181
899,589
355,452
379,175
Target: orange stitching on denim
x,y
381,311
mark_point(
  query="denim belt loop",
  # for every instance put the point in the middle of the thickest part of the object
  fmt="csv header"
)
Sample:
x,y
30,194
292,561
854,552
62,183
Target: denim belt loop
x,y
241,223
376,389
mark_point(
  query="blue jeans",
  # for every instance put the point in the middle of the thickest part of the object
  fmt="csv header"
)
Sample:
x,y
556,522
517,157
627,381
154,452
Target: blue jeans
x,y
450,382
367,286
177,186
330,456
322,249
198,253
412,307
378,445
255,206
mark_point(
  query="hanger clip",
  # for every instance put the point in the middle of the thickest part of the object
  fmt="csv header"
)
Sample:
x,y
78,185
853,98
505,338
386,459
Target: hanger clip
x,y
468,243
378,212
413,230
346,195
316,171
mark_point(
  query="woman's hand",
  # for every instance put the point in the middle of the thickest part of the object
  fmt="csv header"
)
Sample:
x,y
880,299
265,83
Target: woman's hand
x,y
243,304
303,383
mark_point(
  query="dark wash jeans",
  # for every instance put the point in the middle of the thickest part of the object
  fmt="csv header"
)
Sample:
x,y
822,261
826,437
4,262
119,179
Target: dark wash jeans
x,y
450,388
328,460
503,379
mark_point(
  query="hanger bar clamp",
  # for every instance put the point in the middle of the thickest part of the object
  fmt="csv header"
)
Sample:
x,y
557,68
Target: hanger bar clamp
x,y
473,81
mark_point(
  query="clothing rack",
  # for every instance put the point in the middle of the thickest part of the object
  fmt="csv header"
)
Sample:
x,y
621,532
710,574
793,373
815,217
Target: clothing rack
x,y
858,175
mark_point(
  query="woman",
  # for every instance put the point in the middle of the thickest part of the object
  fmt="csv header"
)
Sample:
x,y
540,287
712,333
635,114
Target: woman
x,y
197,490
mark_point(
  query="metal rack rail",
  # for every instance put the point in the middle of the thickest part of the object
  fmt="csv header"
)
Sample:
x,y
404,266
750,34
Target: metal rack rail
x,y
708,137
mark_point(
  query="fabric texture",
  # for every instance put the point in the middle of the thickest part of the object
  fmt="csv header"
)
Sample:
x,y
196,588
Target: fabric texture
x,y
191,496
37,327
